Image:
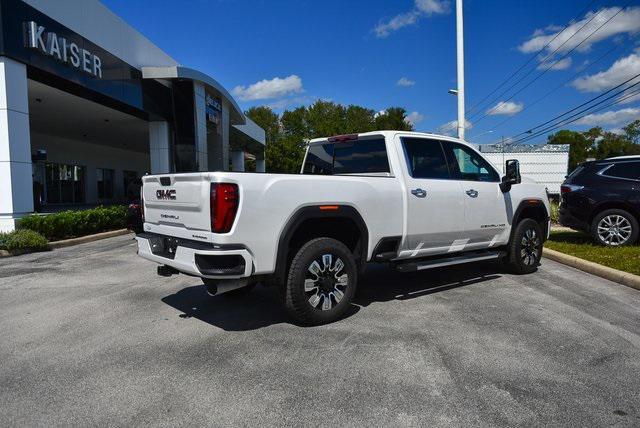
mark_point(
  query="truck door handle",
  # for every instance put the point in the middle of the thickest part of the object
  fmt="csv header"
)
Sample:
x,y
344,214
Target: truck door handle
x,y
472,193
420,193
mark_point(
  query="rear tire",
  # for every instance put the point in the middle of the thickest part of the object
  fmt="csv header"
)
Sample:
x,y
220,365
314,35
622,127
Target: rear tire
x,y
321,282
615,228
525,248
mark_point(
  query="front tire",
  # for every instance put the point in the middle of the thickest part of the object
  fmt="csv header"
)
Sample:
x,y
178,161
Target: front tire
x,y
525,248
321,282
615,228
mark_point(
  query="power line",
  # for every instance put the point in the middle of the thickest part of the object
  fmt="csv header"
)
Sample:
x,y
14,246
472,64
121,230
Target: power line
x,y
577,116
558,60
564,123
504,82
582,70
530,130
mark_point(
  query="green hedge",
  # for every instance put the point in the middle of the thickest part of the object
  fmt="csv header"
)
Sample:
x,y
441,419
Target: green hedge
x,y
23,240
71,224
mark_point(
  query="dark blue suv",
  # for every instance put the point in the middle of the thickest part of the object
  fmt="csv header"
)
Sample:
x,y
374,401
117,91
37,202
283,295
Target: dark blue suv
x,y
603,198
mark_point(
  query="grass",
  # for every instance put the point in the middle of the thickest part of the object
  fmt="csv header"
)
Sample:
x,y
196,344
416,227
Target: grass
x,y
579,244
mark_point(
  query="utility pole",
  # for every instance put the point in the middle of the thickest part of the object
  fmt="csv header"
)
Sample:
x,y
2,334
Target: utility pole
x,y
460,66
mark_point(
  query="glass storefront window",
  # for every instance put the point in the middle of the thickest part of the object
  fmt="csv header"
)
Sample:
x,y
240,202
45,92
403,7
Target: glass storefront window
x,y
64,184
105,183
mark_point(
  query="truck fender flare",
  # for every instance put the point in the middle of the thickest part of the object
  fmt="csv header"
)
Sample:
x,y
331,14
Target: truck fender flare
x,y
535,203
317,212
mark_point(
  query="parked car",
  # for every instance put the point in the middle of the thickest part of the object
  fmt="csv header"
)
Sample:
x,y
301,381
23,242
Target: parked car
x,y
413,200
603,198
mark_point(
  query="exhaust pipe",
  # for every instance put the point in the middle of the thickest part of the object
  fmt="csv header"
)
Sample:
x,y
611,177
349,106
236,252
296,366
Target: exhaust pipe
x,y
215,288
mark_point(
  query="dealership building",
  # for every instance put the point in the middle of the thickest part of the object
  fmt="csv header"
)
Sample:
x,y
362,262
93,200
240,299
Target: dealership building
x,y
88,105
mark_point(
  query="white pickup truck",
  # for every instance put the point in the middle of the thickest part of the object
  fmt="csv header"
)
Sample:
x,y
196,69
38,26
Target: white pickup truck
x,y
412,200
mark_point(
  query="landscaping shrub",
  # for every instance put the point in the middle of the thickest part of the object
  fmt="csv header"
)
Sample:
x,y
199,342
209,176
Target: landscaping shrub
x,y
555,213
71,224
23,240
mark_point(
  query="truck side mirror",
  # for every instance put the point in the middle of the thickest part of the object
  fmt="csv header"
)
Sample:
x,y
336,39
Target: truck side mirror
x,y
512,175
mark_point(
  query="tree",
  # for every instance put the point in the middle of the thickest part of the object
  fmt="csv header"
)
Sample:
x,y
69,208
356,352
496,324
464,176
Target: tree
x,y
294,123
283,154
359,119
286,135
394,119
266,119
632,131
579,145
325,118
611,145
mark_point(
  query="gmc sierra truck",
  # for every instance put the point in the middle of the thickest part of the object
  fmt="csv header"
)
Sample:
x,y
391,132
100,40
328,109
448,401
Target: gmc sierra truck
x,y
412,200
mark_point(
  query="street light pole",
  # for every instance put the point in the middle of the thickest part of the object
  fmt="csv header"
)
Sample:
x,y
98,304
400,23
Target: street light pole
x,y
460,66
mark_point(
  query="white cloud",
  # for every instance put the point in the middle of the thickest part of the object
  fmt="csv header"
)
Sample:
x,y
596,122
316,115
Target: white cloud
x,y
612,117
291,102
422,8
451,128
627,21
508,108
404,81
414,117
553,64
621,70
266,89
618,131
430,7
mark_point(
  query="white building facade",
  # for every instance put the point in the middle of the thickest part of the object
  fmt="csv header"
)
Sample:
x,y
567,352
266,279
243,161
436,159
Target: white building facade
x,y
88,105
546,164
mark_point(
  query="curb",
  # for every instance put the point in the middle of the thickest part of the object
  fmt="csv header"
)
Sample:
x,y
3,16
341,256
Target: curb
x,y
624,278
89,238
73,241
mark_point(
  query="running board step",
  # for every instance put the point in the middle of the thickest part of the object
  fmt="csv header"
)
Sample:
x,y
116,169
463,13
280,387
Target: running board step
x,y
415,265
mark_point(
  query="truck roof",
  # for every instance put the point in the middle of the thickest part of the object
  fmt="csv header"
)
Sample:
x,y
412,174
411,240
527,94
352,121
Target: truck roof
x,y
389,133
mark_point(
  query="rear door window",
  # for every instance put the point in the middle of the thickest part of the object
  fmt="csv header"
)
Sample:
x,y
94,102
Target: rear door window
x,y
425,158
628,170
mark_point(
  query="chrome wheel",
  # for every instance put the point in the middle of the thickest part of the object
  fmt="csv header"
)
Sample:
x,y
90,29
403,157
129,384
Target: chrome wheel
x,y
530,248
614,230
326,282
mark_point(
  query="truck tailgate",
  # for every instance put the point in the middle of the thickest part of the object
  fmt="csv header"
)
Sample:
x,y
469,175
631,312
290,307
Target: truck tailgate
x,y
177,200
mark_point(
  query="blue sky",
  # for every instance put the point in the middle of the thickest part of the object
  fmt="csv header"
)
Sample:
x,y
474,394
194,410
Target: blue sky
x,y
402,53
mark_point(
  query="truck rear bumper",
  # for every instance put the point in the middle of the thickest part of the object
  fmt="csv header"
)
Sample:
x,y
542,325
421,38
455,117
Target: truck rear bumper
x,y
198,260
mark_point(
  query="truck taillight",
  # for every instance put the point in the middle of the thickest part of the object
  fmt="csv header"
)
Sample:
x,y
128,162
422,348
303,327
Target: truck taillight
x,y
568,188
224,206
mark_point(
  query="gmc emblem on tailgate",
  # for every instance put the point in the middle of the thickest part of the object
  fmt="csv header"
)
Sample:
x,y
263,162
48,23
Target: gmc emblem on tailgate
x,y
166,194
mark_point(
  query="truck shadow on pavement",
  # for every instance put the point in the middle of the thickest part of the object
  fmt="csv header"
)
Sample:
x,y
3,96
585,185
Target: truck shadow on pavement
x,y
261,308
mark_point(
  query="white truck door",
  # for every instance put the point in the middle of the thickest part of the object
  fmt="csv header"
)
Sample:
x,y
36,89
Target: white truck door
x,y
485,206
435,207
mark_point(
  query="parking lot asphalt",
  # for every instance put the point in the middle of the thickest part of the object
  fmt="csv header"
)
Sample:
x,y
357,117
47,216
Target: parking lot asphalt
x,y
91,336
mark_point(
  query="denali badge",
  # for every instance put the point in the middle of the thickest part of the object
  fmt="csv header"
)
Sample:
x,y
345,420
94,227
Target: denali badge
x,y
166,194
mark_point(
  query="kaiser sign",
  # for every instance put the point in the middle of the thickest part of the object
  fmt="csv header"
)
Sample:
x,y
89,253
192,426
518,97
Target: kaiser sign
x,y
61,49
